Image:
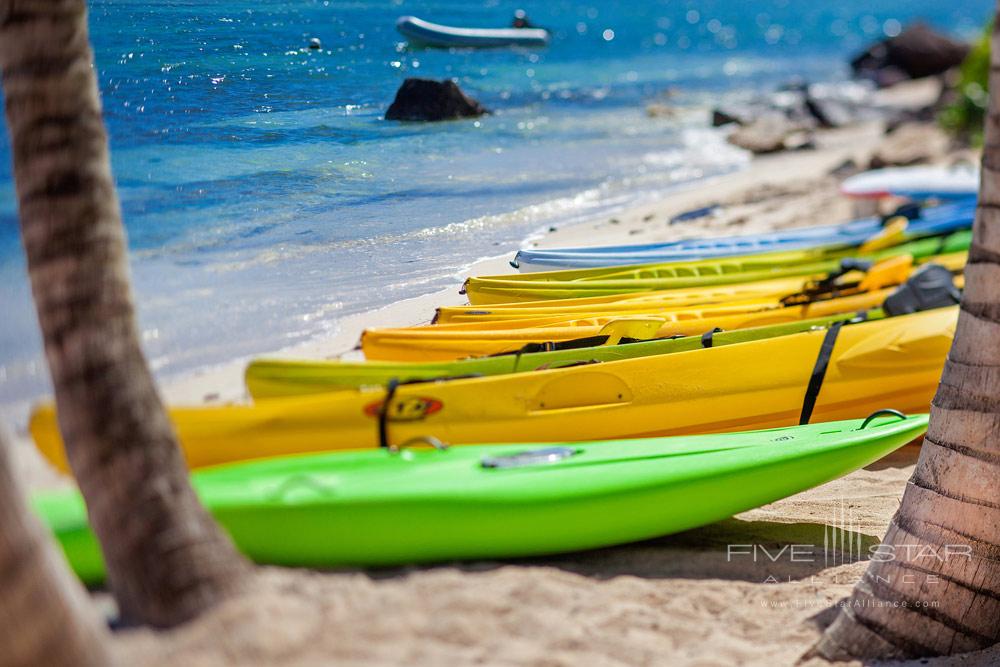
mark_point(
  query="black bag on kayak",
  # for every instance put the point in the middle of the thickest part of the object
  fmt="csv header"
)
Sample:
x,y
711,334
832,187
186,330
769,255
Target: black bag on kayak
x,y
930,286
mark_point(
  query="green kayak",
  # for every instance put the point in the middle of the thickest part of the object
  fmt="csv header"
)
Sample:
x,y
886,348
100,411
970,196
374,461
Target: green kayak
x,y
270,378
385,507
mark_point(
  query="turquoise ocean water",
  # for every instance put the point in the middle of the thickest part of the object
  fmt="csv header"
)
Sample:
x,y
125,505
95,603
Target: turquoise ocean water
x,y
265,198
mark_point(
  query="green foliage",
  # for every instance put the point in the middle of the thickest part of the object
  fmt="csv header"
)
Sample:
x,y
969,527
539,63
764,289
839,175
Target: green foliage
x,y
964,116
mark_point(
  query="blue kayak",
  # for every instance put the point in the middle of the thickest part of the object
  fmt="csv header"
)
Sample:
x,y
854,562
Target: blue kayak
x,y
444,36
937,220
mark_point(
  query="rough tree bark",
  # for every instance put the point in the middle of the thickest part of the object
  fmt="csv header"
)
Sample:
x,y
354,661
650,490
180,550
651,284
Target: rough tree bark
x,y
167,560
45,618
944,541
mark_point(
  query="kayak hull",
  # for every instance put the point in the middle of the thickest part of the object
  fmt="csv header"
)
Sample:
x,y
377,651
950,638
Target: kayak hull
x,y
274,378
484,334
380,508
762,384
449,342
655,300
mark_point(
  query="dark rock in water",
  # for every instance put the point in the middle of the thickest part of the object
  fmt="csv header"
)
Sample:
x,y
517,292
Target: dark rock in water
x,y
911,143
429,100
915,53
314,43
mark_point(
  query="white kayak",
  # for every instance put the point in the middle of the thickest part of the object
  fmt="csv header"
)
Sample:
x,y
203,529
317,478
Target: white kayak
x,y
924,182
433,34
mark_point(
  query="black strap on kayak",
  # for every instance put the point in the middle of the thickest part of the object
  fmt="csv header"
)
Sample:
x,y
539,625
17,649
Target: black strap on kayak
x,y
847,265
517,358
578,343
383,413
575,344
706,338
819,372
827,288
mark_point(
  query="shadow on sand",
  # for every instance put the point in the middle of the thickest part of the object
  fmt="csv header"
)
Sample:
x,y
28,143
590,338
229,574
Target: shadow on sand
x,y
901,458
734,549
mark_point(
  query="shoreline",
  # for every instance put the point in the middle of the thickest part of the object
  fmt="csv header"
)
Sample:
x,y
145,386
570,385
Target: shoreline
x,y
772,192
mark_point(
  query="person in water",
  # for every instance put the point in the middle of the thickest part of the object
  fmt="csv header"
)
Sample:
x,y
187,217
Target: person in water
x,y
520,19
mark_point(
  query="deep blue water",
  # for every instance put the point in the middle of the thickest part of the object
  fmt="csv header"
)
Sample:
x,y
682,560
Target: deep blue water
x,y
265,198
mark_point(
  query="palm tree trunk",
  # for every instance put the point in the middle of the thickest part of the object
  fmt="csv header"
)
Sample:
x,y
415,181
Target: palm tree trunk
x,y
45,618
941,555
167,560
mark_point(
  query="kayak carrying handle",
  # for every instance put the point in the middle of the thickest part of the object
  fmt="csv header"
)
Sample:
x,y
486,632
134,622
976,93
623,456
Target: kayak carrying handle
x,y
880,413
419,440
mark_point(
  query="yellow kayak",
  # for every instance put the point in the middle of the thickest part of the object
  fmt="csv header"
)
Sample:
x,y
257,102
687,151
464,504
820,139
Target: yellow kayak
x,y
275,378
457,341
447,342
661,299
893,362
888,272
